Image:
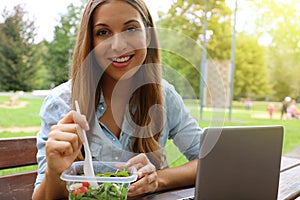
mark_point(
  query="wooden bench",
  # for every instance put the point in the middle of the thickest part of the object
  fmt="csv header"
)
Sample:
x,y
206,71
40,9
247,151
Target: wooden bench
x,y
17,152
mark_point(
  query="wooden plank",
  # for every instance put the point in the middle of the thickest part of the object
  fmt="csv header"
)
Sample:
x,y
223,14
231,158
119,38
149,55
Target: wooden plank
x,y
287,163
15,152
18,186
289,184
170,194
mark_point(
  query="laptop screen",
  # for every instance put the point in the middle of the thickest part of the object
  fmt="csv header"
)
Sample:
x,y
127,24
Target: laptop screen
x,y
239,162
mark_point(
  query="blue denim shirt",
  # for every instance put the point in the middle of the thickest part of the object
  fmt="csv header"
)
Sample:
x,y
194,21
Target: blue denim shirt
x,y
179,126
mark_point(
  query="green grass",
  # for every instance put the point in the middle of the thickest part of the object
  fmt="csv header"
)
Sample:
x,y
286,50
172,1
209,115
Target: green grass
x,y
16,170
16,134
28,116
21,117
242,117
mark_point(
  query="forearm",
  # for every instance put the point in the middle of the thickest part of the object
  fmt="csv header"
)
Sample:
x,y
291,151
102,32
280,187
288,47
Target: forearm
x,y
52,187
181,176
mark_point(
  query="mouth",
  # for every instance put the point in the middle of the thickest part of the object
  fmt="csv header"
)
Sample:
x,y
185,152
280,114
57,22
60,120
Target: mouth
x,y
121,59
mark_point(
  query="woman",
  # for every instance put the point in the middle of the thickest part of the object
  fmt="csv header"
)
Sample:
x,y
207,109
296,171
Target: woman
x,y
128,111
294,111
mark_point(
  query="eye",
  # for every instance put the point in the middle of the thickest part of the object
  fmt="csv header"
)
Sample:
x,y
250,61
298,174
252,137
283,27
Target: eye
x,y
131,29
102,32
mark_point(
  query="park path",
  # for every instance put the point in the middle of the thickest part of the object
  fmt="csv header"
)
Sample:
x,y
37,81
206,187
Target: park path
x,y
21,129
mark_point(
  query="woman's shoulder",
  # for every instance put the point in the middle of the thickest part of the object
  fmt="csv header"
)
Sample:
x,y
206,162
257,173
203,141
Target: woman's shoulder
x,y
169,90
172,99
62,91
58,101
64,88
167,87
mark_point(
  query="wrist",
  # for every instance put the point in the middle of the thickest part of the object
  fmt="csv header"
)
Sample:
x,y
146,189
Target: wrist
x,y
54,183
162,181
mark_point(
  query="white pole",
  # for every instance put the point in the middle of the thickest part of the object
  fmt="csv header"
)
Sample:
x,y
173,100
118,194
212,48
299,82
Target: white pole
x,y
232,62
203,62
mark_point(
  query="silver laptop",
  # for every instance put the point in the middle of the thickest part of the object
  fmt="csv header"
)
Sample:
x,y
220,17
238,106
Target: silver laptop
x,y
239,163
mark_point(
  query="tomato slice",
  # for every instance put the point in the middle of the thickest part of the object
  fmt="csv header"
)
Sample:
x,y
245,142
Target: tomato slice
x,y
83,189
85,184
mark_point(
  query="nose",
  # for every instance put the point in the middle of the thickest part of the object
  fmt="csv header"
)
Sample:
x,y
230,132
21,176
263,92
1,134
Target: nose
x,y
118,42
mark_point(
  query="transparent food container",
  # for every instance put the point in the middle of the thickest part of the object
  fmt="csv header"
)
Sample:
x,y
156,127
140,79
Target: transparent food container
x,y
113,180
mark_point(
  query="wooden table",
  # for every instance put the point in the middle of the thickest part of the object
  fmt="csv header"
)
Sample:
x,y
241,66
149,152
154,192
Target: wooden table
x,y
289,184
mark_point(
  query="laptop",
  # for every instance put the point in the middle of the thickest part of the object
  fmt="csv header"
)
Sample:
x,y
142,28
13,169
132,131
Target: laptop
x,y
239,163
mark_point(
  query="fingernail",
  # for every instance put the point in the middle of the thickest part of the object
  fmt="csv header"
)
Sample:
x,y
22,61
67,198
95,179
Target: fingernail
x,y
140,174
86,127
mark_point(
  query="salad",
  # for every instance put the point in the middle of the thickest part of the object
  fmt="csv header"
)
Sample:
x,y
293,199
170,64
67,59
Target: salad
x,y
104,191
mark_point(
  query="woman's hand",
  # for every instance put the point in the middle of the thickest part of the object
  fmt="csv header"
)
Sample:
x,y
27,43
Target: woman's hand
x,y
63,144
147,177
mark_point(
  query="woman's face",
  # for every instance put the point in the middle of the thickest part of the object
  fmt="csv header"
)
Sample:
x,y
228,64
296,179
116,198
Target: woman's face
x,y
119,38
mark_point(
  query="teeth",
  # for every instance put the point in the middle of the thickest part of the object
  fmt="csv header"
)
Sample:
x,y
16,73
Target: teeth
x,y
120,60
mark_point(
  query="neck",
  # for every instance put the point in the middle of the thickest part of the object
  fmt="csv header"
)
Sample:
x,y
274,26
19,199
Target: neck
x,y
120,89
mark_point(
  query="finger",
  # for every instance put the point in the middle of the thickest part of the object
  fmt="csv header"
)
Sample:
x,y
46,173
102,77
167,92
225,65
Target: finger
x,y
70,128
75,117
137,160
60,155
59,147
69,137
146,180
134,189
65,127
143,186
147,169
151,177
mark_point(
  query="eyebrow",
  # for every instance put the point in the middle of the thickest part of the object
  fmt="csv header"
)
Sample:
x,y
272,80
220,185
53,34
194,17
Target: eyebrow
x,y
126,23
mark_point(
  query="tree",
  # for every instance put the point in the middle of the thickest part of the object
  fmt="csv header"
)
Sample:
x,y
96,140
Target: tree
x,y
18,66
186,18
280,21
251,74
60,49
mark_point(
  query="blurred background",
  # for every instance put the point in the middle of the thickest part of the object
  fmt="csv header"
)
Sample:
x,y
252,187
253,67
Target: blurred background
x,y
251,46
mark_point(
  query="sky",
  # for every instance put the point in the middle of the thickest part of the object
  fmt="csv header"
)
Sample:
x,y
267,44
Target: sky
x,y
47,13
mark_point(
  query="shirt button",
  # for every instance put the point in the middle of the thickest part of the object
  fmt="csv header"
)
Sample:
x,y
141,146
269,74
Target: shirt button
x,y
114,139
102,107
116,158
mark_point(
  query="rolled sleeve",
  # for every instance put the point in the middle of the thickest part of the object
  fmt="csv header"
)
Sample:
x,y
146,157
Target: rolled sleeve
x,y
54,108
183,128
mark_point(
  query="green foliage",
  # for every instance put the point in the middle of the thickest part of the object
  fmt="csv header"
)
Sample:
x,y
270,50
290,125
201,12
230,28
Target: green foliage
x,y
280,21
251,74
60,49
182,74
43,76
182,48
220,31
18,59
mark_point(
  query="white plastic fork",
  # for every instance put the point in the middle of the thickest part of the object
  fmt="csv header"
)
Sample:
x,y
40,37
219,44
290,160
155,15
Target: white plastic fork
x,y
88,168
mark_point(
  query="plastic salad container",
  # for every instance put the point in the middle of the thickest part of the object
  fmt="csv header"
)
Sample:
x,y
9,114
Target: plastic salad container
x,y
112,178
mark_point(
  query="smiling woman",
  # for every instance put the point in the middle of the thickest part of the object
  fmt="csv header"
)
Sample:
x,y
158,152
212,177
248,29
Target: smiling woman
x,y
129,111
125,39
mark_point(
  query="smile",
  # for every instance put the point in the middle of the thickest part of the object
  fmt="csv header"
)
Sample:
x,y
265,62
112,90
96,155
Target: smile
x,y
121,59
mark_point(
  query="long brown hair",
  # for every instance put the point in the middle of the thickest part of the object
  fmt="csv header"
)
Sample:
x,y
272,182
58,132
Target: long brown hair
x,y
86,84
